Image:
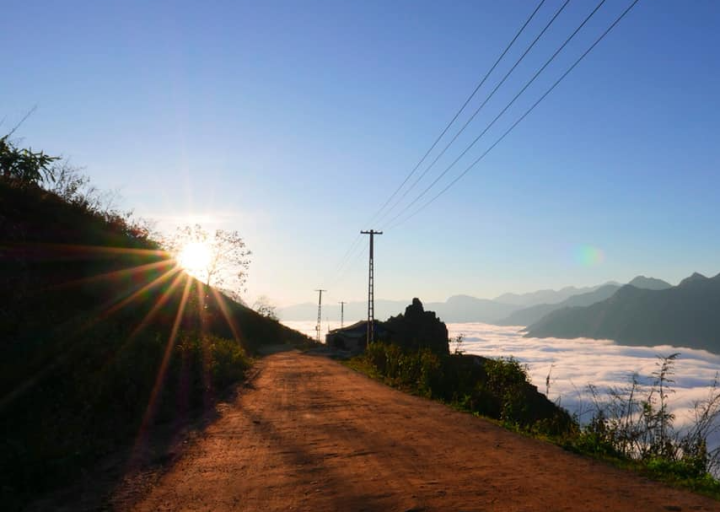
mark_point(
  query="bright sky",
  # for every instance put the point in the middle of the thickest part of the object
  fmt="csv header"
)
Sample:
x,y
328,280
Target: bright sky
x,y
293,122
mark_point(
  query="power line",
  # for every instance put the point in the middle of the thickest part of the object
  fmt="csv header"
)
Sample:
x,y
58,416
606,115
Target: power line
x,y
507,132
346,257
442,134
457,114
477,111
502,112
350,263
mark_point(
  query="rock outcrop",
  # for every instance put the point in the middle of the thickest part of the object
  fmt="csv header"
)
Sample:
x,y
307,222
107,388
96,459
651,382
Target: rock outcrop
x,y
417,328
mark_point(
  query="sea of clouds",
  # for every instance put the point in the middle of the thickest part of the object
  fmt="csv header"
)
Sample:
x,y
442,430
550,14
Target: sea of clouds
x,y
575,364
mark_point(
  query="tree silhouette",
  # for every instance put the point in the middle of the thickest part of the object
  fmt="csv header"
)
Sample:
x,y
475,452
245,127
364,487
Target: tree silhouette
x,y
265,307
228,258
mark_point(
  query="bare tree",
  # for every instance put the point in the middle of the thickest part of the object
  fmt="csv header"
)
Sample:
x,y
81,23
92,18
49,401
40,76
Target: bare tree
x,y
227,259
265,307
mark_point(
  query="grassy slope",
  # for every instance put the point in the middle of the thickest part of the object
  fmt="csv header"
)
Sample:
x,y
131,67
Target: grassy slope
x,y
95,348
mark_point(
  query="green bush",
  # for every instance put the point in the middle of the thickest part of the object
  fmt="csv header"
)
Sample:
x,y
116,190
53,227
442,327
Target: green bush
x,y
495,388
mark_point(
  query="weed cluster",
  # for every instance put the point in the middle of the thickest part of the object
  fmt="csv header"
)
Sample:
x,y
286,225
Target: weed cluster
x,y
634,423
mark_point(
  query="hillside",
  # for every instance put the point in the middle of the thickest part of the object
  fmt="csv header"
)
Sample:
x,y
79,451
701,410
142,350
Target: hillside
x,y
533,314
685,315
102,338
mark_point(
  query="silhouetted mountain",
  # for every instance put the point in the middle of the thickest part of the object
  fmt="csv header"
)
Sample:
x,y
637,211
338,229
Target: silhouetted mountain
x,y
695,278
649,283
544,296
528,316
459,308
353,310
463,308
685,315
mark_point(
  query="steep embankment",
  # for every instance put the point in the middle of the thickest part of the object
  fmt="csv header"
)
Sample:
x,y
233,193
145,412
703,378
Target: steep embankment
x,y
684,315
101,337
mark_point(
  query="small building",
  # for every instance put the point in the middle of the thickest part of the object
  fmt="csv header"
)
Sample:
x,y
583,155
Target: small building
x,y
353,338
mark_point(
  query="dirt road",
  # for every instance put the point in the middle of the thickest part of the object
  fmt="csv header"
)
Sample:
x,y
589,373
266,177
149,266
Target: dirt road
x,y
312,435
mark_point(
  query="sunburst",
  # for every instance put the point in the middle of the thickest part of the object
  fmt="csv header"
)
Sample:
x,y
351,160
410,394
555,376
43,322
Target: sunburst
x,y
195,258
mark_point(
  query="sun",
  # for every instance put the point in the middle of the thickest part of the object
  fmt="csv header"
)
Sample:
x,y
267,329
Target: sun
x,y
194,258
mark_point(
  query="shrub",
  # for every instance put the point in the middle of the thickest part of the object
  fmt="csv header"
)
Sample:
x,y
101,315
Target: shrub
x,y
495,388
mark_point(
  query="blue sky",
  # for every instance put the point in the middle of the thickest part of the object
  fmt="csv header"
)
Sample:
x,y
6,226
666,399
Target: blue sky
x,y
292,122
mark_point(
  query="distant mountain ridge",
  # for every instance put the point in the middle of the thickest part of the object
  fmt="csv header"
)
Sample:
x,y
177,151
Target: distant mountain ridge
x,y
684,315
533,314
528,316
649,283
465,308
458,308
544,296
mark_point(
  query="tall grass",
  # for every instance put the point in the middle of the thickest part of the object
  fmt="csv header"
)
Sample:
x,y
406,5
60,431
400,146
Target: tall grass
x,y
634,423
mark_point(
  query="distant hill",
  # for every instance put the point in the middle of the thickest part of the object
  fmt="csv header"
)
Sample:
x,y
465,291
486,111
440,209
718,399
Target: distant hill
x,y
649,283
353,310
544,296
684,315
463,308
458,308
528,316
533,314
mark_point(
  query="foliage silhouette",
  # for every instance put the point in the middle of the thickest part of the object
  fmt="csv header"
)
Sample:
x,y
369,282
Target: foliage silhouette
x,y
96,349
23,165
228,258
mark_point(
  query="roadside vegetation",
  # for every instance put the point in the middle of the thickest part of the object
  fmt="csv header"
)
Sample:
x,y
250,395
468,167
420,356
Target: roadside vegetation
x,y
633,426
630,427
494,388
104,339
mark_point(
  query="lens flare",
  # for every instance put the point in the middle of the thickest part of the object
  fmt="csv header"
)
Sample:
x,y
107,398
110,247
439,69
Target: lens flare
x,y
588,256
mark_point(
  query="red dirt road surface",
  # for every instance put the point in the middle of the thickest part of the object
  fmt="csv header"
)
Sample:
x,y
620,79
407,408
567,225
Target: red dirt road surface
x,y
309,434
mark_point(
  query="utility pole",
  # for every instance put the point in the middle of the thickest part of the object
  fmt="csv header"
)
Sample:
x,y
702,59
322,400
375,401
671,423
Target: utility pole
x,y
371,288
317,327
342,314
